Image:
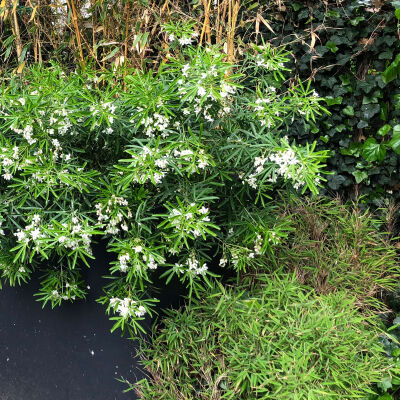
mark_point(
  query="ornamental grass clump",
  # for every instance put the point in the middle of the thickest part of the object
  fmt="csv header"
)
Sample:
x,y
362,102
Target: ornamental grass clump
x,y
277,340
173,167
333,246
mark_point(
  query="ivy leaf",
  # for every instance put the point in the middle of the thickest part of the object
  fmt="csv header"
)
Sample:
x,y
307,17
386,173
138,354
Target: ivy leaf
x,y
349,111
362,124
360,175
385,396
391,72
384,130
356,20
296,6
397,13
335,181
395,142
386,383
369,110
331,101
331,46
373,151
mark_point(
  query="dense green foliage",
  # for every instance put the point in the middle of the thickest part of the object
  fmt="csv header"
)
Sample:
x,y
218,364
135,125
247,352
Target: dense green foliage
x,y
276,340
174,167
346,47
335,247
172,148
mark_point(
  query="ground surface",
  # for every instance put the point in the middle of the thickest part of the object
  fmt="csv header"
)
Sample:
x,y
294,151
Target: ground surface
x,y
63,354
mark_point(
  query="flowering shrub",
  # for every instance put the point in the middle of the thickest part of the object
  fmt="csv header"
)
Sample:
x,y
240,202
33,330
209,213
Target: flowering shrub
x,y
172,166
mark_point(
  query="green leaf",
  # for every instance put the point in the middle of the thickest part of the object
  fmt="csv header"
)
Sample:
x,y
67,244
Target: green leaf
x,y
392,70
336,181
386,383
385,396
332,47
369,110
296,6
373,151
349,111
397,13
360,175
340,128
357,20
395,142
331,101
113,53
396,353
384,130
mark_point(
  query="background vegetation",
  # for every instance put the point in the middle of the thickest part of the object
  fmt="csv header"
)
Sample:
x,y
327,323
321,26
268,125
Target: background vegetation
x,y
194,113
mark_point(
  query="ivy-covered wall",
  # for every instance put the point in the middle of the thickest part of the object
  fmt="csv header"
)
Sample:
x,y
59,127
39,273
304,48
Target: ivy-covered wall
x,y
345,46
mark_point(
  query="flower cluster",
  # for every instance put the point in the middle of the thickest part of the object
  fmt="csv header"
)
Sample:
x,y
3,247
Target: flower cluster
x,y
205,90
9,160
267,109
189,219
105,109
31,232
150,164
127,307
76,235
184,40
289,166
110,214
60,285
190,160
284,163
67,291
26,133
141,259
156,123
192,265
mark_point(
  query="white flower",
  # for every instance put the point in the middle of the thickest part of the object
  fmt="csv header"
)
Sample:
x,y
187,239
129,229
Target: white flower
x,y
138,249
201,91
222,262
140,311
185,70
114,301
62,239
35,234
151,262
203,210
185,40
21,235
7,176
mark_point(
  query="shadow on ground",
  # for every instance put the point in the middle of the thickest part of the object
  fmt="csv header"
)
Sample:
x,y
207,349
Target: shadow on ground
x,y
63,354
